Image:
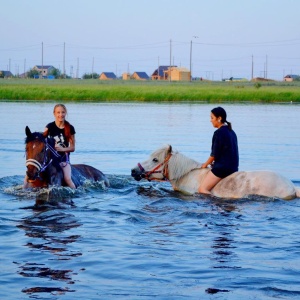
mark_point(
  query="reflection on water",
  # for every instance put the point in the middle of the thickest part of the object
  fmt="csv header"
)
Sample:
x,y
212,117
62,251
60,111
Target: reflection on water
x,y
48,232
40,271
223,255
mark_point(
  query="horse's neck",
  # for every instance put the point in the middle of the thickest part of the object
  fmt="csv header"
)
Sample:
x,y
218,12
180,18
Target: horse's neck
x,y
180,165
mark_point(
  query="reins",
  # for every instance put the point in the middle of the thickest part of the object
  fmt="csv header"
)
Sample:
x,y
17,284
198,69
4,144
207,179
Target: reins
x,y
164,171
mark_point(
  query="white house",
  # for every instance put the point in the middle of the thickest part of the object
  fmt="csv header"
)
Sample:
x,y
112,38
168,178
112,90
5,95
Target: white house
x,y
44,70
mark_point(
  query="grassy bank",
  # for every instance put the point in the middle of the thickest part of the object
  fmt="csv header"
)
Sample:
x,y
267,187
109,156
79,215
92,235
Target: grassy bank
x,y
99,91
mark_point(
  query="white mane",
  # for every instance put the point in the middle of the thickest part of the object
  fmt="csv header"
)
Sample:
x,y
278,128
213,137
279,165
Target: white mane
x,y
180,165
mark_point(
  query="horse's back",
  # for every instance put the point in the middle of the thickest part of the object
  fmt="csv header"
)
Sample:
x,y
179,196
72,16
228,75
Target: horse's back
x,y
263,183
81,172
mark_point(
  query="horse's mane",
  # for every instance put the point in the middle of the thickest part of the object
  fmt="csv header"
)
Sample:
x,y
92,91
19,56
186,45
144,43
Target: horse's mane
x,y
180,165
39,136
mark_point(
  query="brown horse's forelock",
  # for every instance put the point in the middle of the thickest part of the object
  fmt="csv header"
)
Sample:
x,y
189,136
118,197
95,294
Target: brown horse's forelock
x,y
35,136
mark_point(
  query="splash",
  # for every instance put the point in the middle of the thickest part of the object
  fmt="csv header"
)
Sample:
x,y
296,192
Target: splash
x,y
50,194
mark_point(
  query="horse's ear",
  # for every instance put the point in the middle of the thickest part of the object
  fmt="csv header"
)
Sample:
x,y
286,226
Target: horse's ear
x,y
170,149
27,131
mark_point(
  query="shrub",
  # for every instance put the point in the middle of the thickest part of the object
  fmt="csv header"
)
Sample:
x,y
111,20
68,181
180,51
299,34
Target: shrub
x,y
257,85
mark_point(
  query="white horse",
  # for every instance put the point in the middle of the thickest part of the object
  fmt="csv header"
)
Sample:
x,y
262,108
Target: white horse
x,y
186,175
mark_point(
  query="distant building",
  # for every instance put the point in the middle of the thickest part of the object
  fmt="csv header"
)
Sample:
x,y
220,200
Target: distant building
x,y
23,75
235,79
160,74
126,76
178,74
290,78
44,70
258,79
107,76
139,76
6,74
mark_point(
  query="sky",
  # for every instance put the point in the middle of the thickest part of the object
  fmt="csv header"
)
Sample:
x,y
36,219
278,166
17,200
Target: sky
x,y
218,38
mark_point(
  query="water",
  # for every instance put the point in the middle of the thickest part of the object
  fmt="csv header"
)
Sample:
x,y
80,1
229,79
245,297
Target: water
x,y
141,240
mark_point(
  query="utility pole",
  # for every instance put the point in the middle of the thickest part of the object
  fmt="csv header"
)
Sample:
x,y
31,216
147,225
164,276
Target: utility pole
x,y
191,60
266,66
158,68
77,69
170,60
42,59
64,61
252,68
93,69
191,50
25,68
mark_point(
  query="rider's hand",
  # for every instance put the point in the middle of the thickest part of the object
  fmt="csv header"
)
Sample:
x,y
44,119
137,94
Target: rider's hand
x,y
59,148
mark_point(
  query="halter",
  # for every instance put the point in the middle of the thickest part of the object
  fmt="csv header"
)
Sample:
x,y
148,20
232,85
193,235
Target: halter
x,y
164,171
42,167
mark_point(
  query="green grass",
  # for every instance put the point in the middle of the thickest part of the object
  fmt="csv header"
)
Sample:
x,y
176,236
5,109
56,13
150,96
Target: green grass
x,y
150,91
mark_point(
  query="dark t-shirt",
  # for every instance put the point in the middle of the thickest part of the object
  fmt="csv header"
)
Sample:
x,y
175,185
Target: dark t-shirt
x,y
225,152
58,134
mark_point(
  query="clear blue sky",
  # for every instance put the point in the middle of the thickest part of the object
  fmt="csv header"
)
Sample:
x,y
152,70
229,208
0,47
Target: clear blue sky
x,y
134,35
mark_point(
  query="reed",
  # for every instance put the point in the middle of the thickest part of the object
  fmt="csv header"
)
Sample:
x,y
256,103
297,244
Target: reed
x,y
150,91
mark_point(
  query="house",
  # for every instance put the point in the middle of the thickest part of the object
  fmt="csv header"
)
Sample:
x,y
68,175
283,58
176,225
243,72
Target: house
x,y
159,73
23,75
44,70
107,76
6,74
139,76
126,76
258,79
290,78
178,74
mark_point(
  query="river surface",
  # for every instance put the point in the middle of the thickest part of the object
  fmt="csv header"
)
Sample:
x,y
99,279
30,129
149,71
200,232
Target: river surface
x,y
142,240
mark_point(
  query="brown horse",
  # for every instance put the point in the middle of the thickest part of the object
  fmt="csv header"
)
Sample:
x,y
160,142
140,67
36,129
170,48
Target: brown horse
x,y
42,162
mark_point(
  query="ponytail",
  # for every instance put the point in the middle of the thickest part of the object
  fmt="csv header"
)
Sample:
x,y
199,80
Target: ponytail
x,y
67,130
229,124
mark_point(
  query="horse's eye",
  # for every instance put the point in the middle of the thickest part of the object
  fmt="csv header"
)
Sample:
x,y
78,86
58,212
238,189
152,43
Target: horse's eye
x,y
155,160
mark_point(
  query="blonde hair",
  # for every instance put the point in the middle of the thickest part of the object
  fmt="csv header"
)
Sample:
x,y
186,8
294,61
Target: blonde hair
x,y
67,128
60,105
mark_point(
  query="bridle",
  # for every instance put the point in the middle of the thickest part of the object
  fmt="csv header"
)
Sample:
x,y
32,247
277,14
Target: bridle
x,y
164,171
46,162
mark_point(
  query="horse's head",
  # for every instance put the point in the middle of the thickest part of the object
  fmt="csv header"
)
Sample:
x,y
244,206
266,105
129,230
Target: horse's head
x,y
155,167
36,154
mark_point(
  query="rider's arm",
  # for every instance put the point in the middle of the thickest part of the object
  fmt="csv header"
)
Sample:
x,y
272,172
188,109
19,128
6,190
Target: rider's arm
x,y
70,148
208,162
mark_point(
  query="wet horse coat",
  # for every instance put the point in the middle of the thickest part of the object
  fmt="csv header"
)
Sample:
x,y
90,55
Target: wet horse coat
x,y
186,175
42,162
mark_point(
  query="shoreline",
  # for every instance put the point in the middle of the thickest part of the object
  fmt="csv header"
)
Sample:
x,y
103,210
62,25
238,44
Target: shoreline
x,y
94,90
